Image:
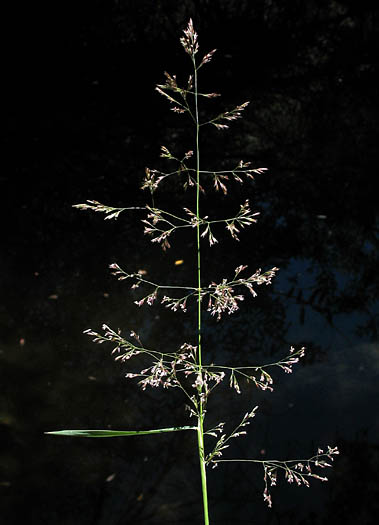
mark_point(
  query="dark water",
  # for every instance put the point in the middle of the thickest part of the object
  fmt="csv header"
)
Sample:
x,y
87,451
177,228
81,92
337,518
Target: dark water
x,y
53,378
83,129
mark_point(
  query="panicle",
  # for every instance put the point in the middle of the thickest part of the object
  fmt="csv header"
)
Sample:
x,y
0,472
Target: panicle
x,y
189,40
208,57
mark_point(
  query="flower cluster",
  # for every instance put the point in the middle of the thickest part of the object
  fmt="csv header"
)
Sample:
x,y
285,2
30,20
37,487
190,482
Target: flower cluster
x,y
175,304
159,374
165,369
124,348
265,380
296,471
149,299
245,217
222,299
242,169
150,181
258,374
189,40
168,223
213,457
171,85
154,217
233,114
154,177
221,296
109,211
293,358
203,382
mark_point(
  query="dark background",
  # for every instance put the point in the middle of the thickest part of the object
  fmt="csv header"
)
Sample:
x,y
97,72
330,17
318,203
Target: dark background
x,y
82,121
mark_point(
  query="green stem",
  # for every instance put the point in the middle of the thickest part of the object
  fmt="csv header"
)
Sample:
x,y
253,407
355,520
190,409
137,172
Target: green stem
x,y
203,473
200,428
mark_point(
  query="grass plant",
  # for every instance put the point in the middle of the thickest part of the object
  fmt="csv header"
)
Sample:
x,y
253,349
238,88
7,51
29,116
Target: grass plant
x,y
187,368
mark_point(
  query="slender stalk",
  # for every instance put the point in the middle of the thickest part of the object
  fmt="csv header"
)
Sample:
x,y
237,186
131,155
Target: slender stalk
x,y
200,429
203,473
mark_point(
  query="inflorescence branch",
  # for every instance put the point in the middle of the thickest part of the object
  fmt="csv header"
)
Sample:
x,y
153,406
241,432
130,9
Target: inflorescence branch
x,y
295,470
161,224
164,369
221,296
110,212
258,373
223,440
154,177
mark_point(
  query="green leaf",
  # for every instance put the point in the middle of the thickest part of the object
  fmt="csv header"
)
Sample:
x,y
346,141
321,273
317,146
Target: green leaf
x,y
116,433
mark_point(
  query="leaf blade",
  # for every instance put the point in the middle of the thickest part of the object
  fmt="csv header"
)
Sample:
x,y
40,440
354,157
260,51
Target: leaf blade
x,y
116,433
